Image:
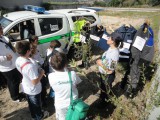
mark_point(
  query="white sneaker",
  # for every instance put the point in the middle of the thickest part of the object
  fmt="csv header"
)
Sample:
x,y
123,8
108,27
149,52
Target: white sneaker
x,y
16,101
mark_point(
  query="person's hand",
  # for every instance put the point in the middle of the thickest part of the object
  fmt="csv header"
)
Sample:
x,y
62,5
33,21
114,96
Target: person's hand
x,y
109,71
9,57
99,62
41,71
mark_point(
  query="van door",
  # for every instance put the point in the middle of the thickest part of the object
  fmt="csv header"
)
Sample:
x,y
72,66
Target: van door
x,y
52,28
21,30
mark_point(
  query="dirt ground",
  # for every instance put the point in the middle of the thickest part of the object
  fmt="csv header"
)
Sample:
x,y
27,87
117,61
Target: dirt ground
x,y
87,89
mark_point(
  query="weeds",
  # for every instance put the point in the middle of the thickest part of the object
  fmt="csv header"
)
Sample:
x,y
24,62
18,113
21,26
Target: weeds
x,y
127,109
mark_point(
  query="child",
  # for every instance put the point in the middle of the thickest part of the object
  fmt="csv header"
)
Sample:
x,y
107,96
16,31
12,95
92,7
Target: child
x,y
108,62
31,84
43,80
53,48
34,41
55,44
59,81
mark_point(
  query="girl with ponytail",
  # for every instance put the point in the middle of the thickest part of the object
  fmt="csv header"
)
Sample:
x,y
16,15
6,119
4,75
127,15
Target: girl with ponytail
x,y
107,64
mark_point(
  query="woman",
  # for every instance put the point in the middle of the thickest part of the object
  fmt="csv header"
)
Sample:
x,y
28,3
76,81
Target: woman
x,y
108,62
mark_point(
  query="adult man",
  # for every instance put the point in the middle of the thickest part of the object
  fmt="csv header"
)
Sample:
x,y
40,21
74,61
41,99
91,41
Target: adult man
x,y
7,66
86,46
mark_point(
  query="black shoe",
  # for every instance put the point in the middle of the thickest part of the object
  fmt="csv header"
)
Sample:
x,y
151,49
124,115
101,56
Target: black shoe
x,y
128,92
22,97
131,92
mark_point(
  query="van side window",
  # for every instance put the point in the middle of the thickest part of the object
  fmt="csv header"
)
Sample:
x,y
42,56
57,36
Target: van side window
x,y
21,31
75,18
50,25
89,18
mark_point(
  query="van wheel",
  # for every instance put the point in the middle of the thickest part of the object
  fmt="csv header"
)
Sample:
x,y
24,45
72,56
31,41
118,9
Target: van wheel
x,y
77,55
75,52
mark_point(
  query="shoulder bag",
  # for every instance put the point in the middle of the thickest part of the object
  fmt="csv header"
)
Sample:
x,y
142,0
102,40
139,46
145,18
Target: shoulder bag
x,y
77,109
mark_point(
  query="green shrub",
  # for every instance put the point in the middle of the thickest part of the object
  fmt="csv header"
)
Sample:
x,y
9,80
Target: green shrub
x,y
101,4
114,3
46,5
154,2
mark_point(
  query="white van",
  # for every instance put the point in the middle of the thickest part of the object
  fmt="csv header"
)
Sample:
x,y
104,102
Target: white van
x,y
47,25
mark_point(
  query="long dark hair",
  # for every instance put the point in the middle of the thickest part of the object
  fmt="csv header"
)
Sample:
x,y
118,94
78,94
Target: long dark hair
x,y
117,38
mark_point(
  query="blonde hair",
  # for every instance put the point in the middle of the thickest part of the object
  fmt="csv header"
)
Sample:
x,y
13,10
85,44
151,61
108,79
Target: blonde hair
x,y
147,21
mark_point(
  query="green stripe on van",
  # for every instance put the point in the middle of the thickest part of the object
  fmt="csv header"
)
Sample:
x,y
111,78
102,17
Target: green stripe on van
x,y
46,40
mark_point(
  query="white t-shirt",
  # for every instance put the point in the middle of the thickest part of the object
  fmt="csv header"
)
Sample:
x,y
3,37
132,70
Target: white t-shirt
x,y
48,53
5,50
29,72
38,57
59,81
109,60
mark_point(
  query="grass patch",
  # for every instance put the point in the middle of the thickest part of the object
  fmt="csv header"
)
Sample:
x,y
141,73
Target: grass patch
x,y
64,3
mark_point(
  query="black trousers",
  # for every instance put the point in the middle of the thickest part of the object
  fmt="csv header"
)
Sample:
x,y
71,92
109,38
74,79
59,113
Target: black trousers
x,y
3,81
13,78
44,82
106,84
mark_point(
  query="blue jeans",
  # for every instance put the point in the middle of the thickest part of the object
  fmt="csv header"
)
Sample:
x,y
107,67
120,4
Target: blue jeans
x,y
35,106
51,93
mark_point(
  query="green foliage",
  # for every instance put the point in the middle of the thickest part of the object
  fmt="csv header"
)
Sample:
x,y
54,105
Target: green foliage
x,y
154,2
3,11
122,67
158,118
157,100
135,3
101,4
114,3
46,5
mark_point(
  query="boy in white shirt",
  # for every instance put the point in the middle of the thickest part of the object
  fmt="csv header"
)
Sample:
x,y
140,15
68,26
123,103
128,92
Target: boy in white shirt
x,y
59,81
31,80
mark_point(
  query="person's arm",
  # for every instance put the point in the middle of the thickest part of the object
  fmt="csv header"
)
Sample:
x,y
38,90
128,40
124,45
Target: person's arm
x,y
75,78
36,81
99,63
5,58
34,75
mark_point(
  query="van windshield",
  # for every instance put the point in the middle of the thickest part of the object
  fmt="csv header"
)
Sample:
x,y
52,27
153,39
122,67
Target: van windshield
x,y
5,22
